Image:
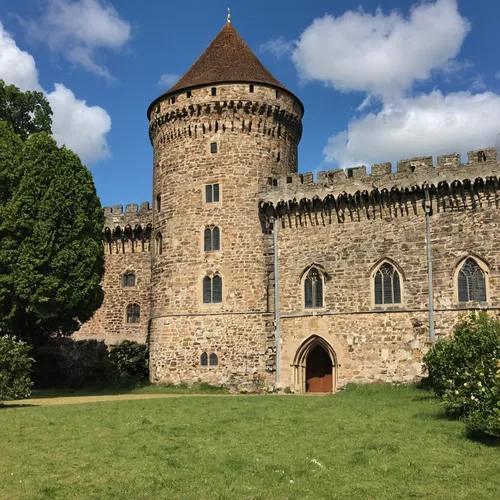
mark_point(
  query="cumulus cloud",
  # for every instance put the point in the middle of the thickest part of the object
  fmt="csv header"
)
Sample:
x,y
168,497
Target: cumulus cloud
x,y
380,53
167,80
428,124
78,29
81,127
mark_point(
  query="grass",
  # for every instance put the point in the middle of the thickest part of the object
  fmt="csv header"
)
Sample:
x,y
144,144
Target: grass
x,y
378,442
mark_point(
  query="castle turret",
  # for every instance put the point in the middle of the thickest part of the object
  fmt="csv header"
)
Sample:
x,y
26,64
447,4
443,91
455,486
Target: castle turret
x,y
225,127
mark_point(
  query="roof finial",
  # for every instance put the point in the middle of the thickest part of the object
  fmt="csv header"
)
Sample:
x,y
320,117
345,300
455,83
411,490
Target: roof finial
x,y
229,15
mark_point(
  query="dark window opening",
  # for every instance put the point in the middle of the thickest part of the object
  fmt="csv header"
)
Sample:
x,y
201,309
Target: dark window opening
x,y
188,94
278,158
481,156
349,173
204,359
412,168
214,361
159,244
270,181
214,91
212,290
313,289
216,193
251,89
133,313
213,147
277,94
158,203
172,100
275,182
212,193
158,108
387,285
289,180
128,279
211,239
471,283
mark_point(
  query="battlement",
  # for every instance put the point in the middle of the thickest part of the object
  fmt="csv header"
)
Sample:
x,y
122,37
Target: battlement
x,y
117,210
417,170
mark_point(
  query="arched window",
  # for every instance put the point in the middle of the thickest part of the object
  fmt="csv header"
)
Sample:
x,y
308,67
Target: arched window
x,y
387,285
204,359
212,239
212,289
471,282
159,244
313,289
128,279
133,313
214,360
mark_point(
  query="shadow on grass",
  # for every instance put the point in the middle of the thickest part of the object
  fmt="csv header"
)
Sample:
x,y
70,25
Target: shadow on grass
x,y
482,438
4,406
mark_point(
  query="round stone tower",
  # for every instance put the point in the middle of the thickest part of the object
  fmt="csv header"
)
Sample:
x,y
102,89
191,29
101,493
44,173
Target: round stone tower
x,y
223,129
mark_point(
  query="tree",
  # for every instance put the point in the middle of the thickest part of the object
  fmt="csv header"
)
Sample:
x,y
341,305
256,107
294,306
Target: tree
x,y
26,113
51,252
15,368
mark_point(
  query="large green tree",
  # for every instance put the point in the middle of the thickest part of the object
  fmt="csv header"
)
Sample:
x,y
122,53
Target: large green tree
x,y
51,220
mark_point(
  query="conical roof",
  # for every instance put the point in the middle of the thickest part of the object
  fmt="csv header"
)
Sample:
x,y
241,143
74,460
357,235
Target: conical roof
x,y
227,59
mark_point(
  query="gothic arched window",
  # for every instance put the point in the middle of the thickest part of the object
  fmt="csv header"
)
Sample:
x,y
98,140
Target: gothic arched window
x,y
313,289
387,285
133,313
214,360
211,239
471,282
212,289
128,279
204,359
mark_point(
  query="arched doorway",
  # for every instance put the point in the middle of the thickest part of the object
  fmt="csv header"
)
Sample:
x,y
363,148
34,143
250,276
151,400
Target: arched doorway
x,y
315,366
319,366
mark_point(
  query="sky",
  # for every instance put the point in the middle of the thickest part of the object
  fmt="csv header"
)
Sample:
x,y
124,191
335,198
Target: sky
x,y
380,80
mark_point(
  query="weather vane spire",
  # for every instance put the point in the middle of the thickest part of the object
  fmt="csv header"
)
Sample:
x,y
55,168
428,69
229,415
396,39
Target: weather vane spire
x,y
228,15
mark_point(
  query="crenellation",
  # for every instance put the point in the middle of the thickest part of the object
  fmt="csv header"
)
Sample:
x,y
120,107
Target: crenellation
x,y
416,164
131,208
379,169
449,160
481,156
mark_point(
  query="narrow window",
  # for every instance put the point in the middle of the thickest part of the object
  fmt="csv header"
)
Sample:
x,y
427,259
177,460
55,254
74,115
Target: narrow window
x,y
159,244
133,313
313,289
216,289
172,100
204,359
208,193
157,109
387,285
207,239
214,361
215,239
349,173
471,283
158,203
128,279
214,90
207,290
278,157
481,156
188,94
251,89
216,193
213,147
277,94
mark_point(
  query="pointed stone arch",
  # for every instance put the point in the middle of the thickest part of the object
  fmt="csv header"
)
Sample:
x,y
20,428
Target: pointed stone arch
x,y
303,355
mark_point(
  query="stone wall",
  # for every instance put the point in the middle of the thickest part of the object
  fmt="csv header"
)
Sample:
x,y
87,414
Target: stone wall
x,y
127,247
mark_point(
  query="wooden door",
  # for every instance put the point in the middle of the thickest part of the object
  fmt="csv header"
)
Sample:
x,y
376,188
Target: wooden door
x,y
319,371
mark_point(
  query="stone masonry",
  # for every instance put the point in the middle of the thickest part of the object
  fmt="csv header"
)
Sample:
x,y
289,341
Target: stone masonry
x,y
239,128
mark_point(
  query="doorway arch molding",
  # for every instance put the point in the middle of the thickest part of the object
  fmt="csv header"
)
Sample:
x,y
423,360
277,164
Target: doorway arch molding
x,y
300,361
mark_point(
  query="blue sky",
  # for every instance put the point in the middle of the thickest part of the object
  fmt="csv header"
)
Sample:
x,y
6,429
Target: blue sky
x,y
380,80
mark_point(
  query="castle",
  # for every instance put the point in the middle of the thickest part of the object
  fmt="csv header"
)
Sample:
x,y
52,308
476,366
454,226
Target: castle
x,y
244,271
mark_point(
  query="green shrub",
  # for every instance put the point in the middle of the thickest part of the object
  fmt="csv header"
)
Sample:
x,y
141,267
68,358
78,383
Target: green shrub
x,y
130,361
63,363
463,371
15,368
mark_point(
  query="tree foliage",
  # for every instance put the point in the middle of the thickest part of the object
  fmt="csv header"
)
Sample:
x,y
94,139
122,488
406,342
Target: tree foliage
x,y
15,368
26,113
51,253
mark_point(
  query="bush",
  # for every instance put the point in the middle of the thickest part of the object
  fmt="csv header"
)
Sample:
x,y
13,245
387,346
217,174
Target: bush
x,y
15,368
130,361
63,363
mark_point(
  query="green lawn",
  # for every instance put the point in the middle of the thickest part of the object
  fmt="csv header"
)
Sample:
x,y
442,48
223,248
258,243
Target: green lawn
x,y
371,442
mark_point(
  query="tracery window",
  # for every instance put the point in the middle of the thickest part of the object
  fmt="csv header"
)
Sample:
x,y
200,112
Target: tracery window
x,y
471,282
387,285
313,289
212,289
133,313
128,279
212,239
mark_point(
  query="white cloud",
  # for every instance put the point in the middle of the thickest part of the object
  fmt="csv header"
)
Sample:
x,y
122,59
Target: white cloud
x,y
167,80
78,29
17,67
478,82
81,127
380,53
430,124
279,47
